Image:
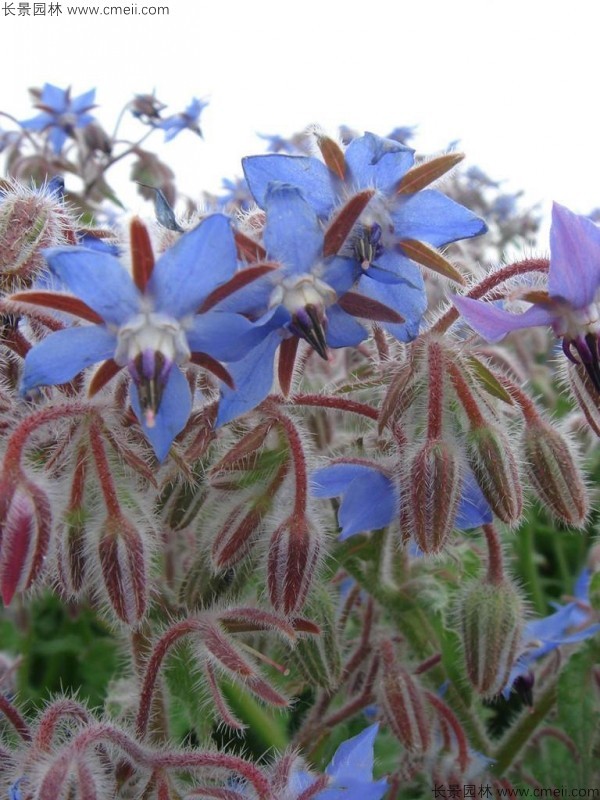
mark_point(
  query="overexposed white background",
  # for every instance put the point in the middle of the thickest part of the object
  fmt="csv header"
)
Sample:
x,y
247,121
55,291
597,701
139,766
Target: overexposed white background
x,y
514,80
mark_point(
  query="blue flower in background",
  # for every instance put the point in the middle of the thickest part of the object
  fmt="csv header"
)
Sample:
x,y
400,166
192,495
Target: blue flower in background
x,y
61,114
350,771
302,298
185,120
570,623
149,325
371,499
392,217
571,304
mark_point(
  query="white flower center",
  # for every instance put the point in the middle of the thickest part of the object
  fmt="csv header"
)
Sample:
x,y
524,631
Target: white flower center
x,y
297,292
573,323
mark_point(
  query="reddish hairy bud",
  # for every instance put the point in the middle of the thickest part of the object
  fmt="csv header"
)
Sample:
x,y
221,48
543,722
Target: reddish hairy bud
x,y
123,560
403,703
293,555
495,467
553,473
235,538
586,395
434,491
490,619
25,525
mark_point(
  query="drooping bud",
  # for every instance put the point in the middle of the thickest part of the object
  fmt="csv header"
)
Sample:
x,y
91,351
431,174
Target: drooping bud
x,y
71,556
293,555
494,465
490,619
586,395
30,220
123,559
403,703
553,473
434,491
318,658
25,525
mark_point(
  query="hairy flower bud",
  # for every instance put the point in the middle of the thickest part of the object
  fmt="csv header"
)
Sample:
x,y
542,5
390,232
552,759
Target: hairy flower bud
x,y
586,395
434,491
490,620
553,473
495,467
123,560
293,555
30,220
403,703
25,525
71,555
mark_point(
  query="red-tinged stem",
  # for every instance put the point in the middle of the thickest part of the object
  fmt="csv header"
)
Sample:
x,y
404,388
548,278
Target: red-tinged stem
x,y
428,664
338,403
15,719
103,469
162,647
436,392
448,715
527,406
314,789
495,573
55,714
489,283
18,441
299,461
463,390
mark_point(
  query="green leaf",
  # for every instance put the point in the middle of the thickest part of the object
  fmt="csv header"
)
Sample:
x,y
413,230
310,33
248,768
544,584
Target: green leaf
x,y
488,380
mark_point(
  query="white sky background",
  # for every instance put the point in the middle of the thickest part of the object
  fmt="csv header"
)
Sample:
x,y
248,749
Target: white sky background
x,y
516,81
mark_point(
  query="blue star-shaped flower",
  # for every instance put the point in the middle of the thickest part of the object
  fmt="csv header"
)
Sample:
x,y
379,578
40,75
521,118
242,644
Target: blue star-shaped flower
x,y
572,303
371,499
61,114
394,218
149,324
185,120
306,296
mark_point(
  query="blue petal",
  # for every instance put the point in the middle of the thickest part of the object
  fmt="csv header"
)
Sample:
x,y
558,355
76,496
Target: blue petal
x,y
38,123
98,279
253,378
292,234
342,329
574,257
353,760
200,261
339,273
57,137
473,509
393,267
54,97
310,175
376,162
431,217
61,355
333,480
356,790
83,101
494,323
172,416
409,300
227,337
582,585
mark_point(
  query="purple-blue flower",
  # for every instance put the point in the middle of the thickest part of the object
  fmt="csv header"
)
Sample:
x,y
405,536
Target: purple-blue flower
x,y
570,623
185,120
350,772
571,304
61,114
303,297
371,498
149,325
392,217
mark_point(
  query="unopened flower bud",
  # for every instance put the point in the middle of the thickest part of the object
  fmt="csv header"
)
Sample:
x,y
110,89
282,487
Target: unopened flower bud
x,y
586,395
25,525
72,558
403,703
30,220
553,473
435,485
293,556
123,560
490,618
495,468
318,657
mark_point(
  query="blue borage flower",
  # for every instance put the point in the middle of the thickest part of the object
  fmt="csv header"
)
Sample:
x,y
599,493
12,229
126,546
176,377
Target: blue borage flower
x,y
185,120
571,306
391,218
149,324
570,623
61,114
371,499
304,296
